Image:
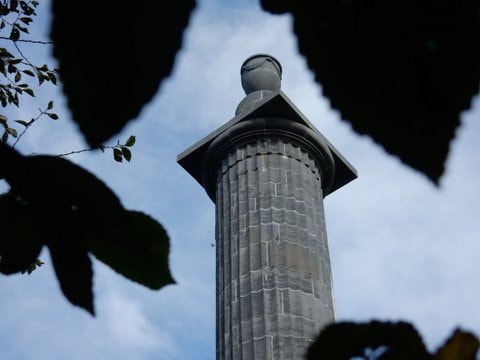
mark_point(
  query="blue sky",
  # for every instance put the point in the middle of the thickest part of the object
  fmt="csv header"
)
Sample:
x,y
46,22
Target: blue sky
x,y
400,247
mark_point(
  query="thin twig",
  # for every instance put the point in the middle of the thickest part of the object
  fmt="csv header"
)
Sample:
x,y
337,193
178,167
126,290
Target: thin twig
x,y
23,56
103,147
28,125
75,152
28,41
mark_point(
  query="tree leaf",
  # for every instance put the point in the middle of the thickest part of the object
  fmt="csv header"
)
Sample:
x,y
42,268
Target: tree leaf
x,y
74,270
347,340
56,186
50,105
15,61
117,155
127,154
29,92
22,122
52,77
52,116
11,68
33,266
13,5
400,72
461,345
130,141
22,28
140,255
95,92
11,131
28,72
41,78
26,20
14,34
20,242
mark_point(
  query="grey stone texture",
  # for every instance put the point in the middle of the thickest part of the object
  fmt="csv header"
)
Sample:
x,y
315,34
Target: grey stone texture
x,y
268,170
274,286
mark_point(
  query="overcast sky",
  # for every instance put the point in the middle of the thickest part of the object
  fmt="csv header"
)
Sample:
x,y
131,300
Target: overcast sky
x,y
401,248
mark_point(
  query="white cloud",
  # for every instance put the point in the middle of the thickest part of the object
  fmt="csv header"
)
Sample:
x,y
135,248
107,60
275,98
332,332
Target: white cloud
x,y
129,326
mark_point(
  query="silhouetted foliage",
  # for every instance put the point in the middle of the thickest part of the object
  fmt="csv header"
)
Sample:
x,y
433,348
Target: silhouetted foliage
x,y
387,341
62,206
113,58
57,204
398,71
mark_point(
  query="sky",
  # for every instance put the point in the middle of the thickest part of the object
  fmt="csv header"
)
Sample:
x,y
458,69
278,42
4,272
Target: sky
x,y
401,248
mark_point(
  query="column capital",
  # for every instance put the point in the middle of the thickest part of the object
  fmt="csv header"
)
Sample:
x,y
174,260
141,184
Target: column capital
x,y
254,130
271,105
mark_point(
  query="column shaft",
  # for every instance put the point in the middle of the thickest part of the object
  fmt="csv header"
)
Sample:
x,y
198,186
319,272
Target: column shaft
x,y
274,288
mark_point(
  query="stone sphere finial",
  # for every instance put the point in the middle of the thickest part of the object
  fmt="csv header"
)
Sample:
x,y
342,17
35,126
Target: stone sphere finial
x,y
261,72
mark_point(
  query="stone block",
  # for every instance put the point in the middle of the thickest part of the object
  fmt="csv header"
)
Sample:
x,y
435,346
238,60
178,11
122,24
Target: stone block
x,y
260,349
256,280
259,329
286,346
278,216
251,163
258,306
243,239
266,216
273,161
266,189
275,175
262,176
253,233
244,261
245,308
271,302
270,279
255,256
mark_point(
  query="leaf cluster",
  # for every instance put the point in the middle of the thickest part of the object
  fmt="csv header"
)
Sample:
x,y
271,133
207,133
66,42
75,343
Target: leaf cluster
x,y
10,131
57,204
17,70
122,151
387,341
92,220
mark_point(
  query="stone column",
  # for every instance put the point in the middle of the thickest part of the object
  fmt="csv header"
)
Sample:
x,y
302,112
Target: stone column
x,y
274,286
268,170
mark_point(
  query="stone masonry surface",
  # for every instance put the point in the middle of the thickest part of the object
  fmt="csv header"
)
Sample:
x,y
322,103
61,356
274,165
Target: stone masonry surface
x,y
274,287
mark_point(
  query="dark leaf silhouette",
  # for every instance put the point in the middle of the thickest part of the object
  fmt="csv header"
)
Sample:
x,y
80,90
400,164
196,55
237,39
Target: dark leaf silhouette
x,y
77,213
20,242
462,345
127,154
139,40
400,72
141,255
343,341
395,341
73,269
